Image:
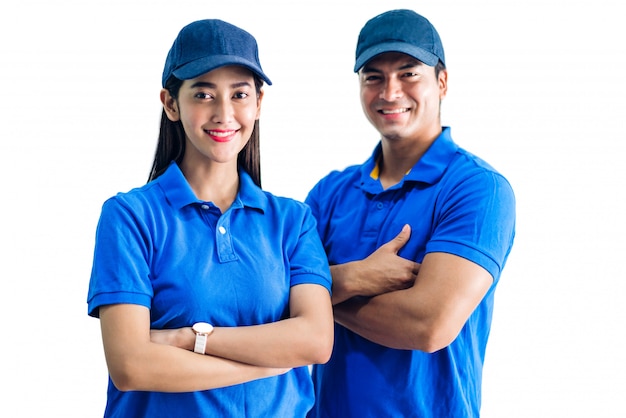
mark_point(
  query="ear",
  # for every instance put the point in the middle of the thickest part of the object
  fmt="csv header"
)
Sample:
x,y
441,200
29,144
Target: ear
x,y
170,105
258,104
443,83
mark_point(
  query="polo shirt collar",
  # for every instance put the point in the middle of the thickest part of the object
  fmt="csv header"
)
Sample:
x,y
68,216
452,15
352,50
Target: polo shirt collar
x,y
428,169
250,194
179,193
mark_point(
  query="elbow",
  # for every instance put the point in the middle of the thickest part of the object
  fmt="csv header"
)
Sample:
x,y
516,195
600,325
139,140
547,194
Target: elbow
x,y
431,336
320,346
322,349
326,350
319,340
122,382
122,386
435,338
435,344
124,378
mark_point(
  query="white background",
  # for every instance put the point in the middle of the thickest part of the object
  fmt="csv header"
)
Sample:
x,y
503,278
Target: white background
x,y
536,88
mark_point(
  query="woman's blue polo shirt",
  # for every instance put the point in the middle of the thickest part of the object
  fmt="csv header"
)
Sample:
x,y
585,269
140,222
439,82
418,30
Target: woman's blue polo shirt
x,y
455,203
160,247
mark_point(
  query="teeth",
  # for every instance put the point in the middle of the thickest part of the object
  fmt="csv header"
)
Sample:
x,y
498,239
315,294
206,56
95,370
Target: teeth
x,y
221,134
394,111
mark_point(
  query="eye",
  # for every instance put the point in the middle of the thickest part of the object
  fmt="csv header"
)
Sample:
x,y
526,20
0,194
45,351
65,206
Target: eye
x,y
240,95
371,79
203,96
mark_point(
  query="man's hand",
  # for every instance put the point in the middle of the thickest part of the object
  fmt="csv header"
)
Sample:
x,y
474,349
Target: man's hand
x,y
381,272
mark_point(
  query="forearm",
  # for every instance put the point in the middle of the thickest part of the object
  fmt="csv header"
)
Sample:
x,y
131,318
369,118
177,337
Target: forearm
x,y
167,369
288,343
362,278
427,316
383,320
135,362
303,339
370,277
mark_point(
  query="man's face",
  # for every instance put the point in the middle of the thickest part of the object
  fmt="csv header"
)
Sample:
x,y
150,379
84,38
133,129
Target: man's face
x,y
401,96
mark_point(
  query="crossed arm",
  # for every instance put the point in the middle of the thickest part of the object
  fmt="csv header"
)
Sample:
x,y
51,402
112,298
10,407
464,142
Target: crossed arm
x,y
407,305
163,360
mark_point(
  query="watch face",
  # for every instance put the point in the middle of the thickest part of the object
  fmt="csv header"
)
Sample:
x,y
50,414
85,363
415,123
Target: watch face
x,y
202,328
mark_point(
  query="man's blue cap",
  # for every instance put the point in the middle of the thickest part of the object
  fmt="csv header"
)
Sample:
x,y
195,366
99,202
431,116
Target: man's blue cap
x,y
208,44
399,31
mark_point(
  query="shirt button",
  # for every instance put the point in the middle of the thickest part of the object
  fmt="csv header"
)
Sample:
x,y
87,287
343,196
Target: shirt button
x,y
205,207
222,230
379,205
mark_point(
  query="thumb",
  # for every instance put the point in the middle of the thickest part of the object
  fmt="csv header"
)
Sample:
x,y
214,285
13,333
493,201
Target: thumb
x,y
399,240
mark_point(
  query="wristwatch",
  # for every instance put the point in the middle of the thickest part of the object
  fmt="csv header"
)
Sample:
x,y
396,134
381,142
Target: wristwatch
x,y
202,331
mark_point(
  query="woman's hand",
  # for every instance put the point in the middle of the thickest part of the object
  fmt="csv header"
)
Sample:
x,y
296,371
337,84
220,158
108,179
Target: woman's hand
x,y
180,337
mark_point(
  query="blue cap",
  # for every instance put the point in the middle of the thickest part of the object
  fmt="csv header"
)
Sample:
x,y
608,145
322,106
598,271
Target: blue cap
x,y
399,31
208,44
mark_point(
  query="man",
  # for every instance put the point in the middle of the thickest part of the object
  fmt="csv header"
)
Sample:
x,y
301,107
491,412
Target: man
x,y
416,237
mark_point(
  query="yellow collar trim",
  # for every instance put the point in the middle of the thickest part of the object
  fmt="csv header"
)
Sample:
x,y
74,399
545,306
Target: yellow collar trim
x,y
375,173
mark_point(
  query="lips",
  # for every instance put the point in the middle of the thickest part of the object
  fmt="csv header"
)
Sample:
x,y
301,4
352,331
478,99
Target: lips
x,y
221,135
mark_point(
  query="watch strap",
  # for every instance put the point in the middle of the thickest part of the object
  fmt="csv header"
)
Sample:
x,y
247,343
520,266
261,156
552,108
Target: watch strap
x,y
200,345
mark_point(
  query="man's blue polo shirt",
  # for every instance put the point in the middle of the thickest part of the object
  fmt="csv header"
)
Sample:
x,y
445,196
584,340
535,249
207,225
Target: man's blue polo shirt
x,y
455,203
160,247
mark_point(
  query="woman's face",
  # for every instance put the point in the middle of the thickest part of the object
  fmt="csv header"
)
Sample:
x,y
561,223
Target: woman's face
x,y
217,110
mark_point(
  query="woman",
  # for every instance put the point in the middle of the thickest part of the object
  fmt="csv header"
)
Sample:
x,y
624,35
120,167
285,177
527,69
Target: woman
x,y
203,246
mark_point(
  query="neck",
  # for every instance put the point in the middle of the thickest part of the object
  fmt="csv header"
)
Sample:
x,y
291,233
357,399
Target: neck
x,y
399,156
216,183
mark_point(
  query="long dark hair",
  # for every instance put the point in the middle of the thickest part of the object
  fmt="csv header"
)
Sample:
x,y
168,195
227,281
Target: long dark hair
x,y
171,145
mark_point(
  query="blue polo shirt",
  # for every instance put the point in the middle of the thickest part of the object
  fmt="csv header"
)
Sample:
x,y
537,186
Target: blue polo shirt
x,y
455,203
160,247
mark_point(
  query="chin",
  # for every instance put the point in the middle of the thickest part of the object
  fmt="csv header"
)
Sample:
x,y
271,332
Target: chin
x,y
391,134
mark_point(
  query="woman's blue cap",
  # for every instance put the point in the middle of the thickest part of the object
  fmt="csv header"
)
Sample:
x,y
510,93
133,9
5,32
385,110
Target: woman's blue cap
x,y
399,30
205,45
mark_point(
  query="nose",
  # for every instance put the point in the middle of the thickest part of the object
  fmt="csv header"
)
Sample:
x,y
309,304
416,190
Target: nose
x,y
222,111
391,89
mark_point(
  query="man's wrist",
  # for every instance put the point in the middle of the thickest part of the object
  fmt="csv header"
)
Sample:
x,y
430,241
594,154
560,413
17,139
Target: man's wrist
x,y
343,282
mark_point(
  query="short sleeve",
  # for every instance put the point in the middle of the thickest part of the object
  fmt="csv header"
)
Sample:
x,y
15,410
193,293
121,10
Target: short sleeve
x,y
308,260
120,270
476,221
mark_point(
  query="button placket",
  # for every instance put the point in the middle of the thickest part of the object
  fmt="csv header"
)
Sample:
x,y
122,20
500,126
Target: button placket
x,y
375,218
224,240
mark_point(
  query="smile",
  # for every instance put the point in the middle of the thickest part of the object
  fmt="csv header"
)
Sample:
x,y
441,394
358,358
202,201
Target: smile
x,y
221,134
393,111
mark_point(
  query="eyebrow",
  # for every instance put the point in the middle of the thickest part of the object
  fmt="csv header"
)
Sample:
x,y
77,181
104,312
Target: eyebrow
x,y
206,84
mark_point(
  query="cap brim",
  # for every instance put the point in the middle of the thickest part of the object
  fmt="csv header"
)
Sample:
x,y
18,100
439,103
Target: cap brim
x,y
204,65
416,52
